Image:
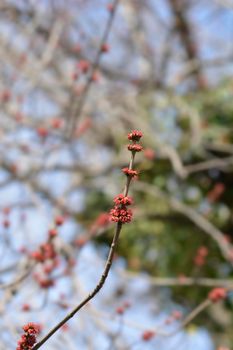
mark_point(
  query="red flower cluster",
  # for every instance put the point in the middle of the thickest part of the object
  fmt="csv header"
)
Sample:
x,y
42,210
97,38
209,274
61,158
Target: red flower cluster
x,y
56,123
45,282
110,7
124,200
101,222
53,232
26,307
83,66
217,294
149,153
130,172
121,214
59,220
135,135
200,258
5,95
175,316
42,131
148,335
45,252
120,310
6,222
47,256
28,339
105,48
83,127
80,241
32,328
135,147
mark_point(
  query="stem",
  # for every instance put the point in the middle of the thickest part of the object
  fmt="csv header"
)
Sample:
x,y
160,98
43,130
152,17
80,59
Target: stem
x,y
131,163
92,294
102,278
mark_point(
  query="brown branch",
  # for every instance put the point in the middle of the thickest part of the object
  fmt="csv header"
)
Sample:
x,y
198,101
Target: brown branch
x,y
182,281
92,294
26,272
194,314
79,105
192,215
184,30
218,163
103,276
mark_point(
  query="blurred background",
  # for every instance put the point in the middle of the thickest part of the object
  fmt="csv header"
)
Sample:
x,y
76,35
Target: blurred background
x,y
75,77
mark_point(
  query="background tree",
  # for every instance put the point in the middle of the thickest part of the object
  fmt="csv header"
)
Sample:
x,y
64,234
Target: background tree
x,y
76,77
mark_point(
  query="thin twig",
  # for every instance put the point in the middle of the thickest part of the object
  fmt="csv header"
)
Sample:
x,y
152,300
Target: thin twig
x,y
102,278
181,281
92,294
79,105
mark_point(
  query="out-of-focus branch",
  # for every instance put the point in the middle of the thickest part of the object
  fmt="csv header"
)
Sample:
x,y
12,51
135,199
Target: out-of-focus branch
x,y
24,273
182,281
219,163
79,105
183,27
193,215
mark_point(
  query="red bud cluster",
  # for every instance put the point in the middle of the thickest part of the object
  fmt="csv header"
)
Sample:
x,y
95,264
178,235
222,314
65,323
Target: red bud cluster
x,y
124,200
45,252
148,335
217,294
131,173
83,66
120,310
200,258
135,148
121,214
47,256
135,135
28,339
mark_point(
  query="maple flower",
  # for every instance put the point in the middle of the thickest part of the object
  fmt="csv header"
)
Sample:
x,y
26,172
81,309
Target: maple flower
x,y
122,215
28,339
104,48
83,66
135,135
148,335
124,200
32,328
130,172
217,294
59,220
135,147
